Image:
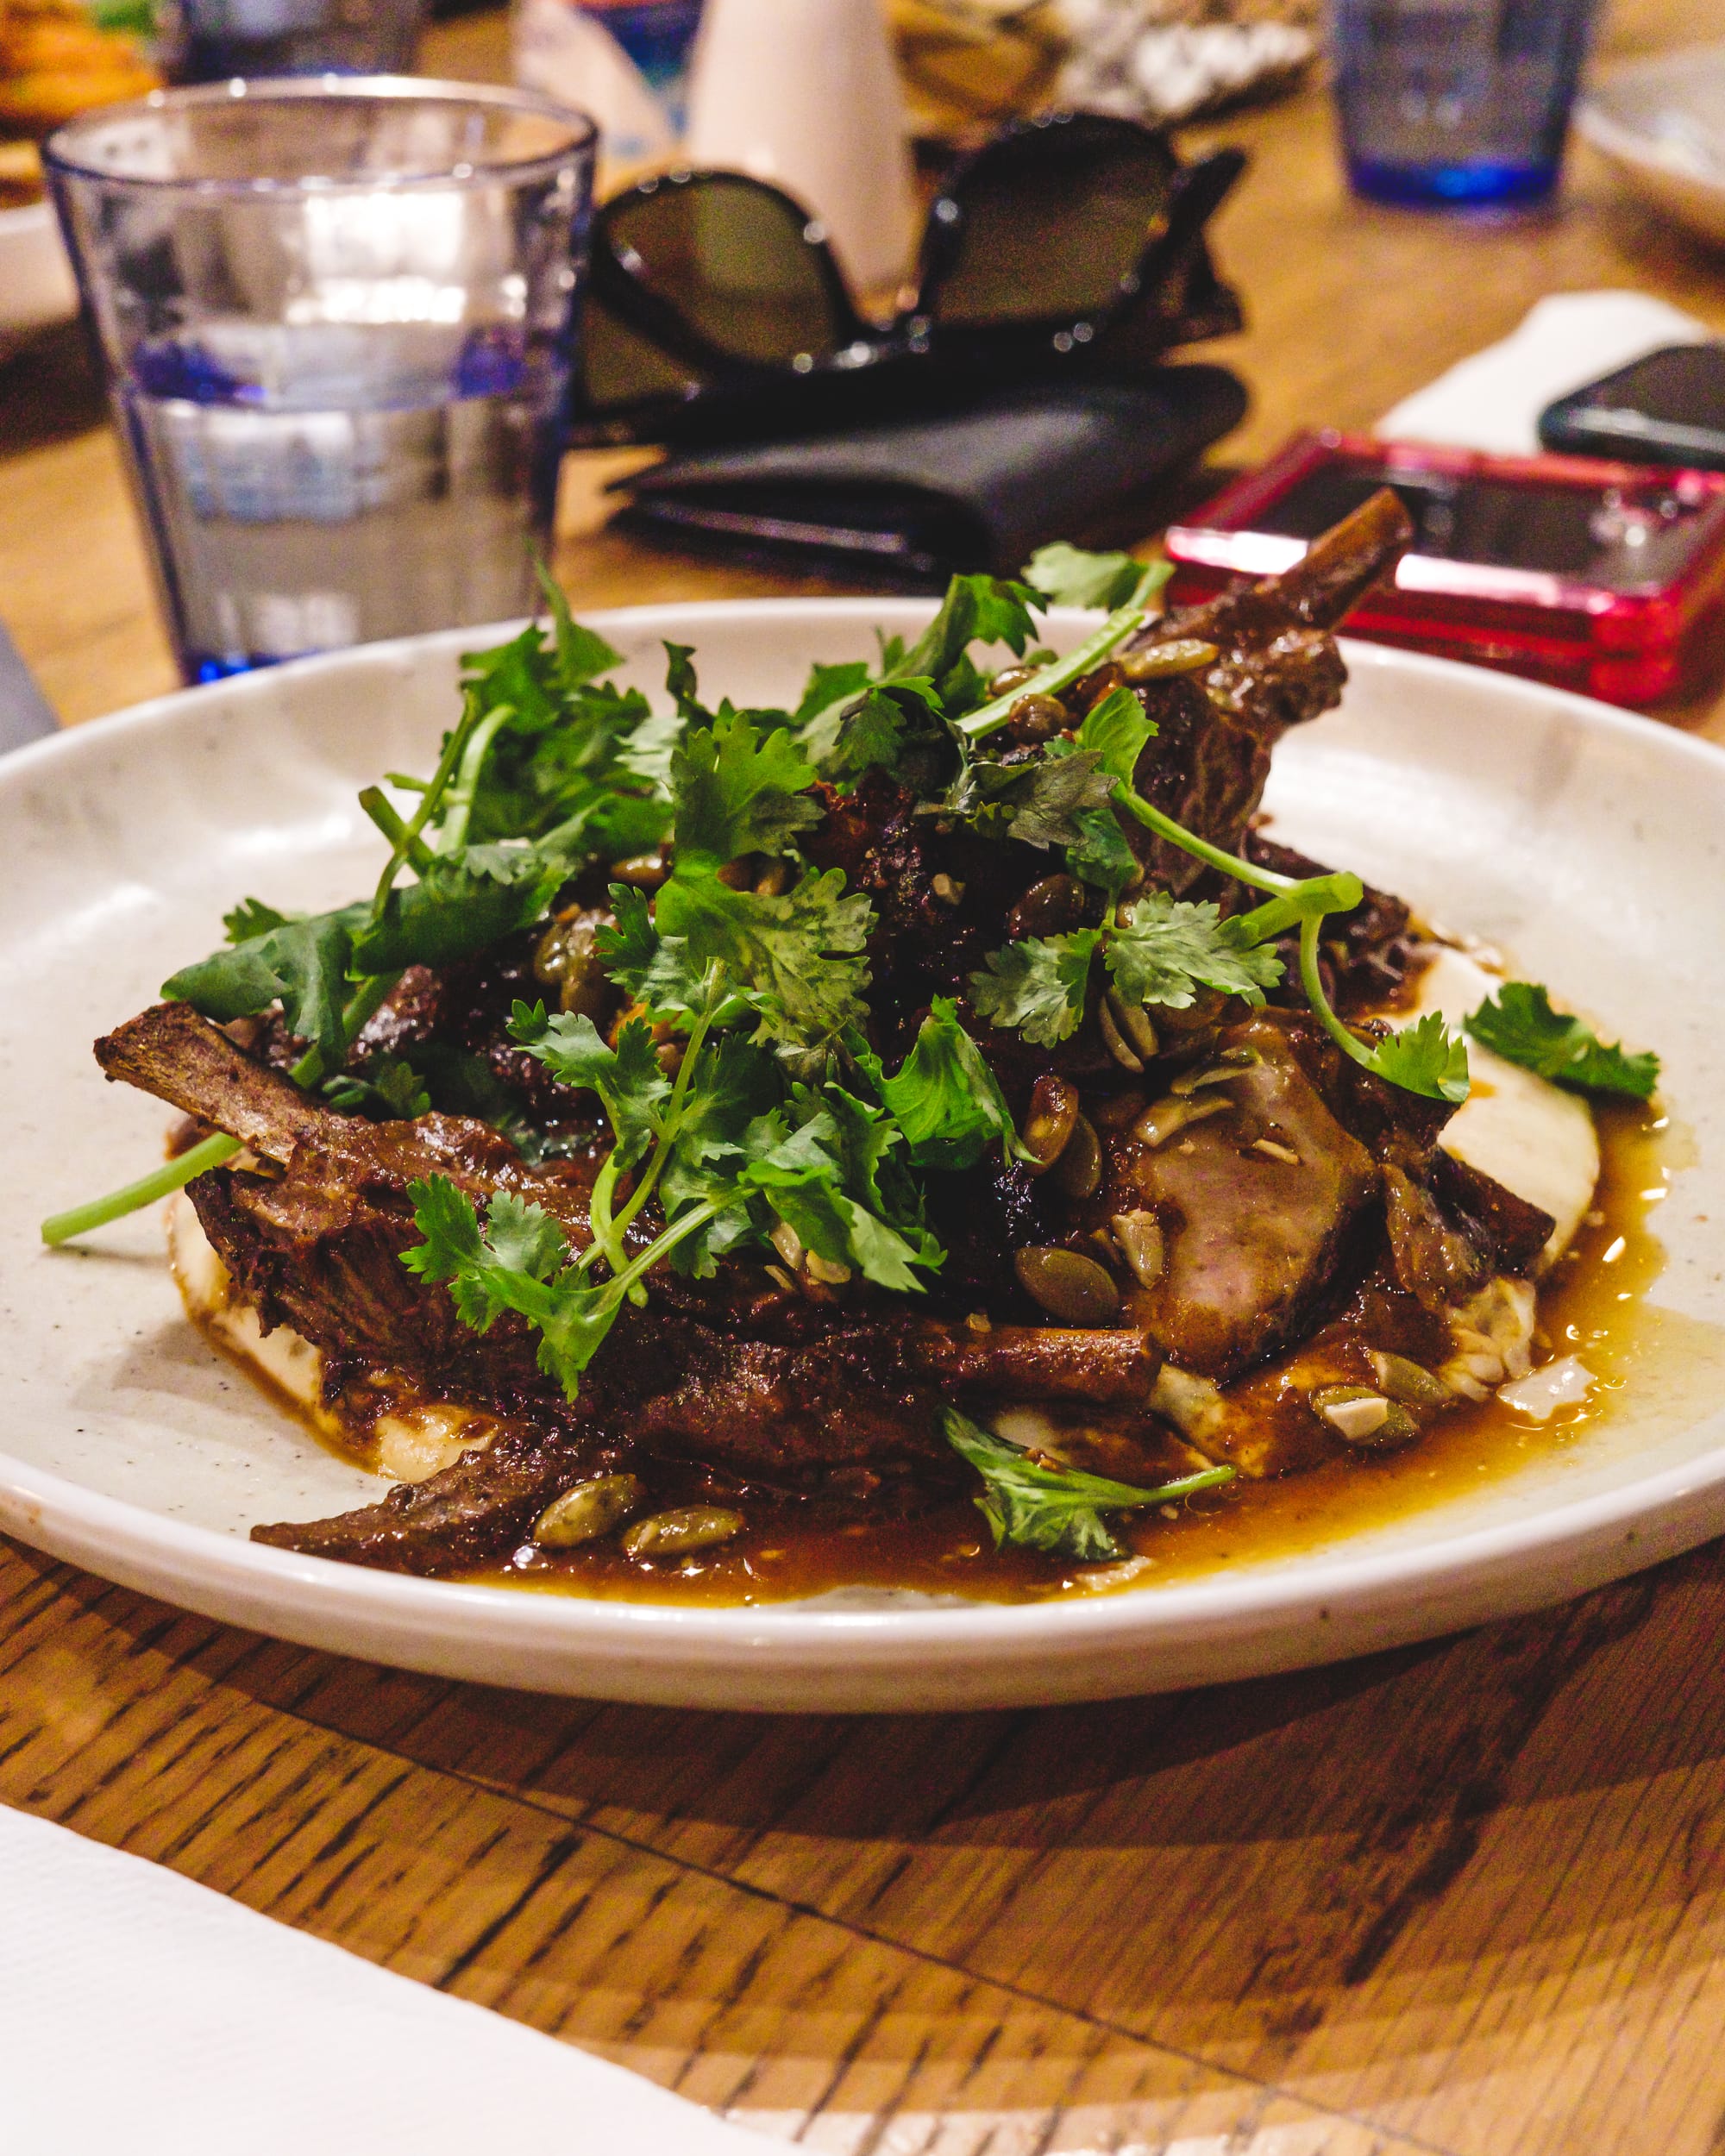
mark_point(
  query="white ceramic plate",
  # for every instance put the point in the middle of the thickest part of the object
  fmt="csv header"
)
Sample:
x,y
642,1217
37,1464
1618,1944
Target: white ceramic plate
x,y
1585,841
1662,123
36,286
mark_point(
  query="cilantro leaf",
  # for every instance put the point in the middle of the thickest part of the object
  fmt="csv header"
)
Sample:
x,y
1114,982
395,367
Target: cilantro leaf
x,y
944,1098
516,1261
820,713
827,686
461,904
251,917
1037,801
977,610
1425,1058
1033,1503
1038,986
679,681
1519,1025
1071,576
1101,855
1165,950
802,1179
797,957
658,972
582,653
736,791
626,1078
1116,729
301,963
390,1091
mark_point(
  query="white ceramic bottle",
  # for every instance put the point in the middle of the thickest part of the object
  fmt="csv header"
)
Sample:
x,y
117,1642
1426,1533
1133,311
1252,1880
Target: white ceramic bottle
x,y
806,93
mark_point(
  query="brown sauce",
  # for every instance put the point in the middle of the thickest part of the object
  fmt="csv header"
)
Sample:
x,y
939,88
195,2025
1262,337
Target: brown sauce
x,y
1587,1308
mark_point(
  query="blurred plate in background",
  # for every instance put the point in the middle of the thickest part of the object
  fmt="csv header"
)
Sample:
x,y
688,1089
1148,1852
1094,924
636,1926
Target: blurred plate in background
x,y
36,287
1661,124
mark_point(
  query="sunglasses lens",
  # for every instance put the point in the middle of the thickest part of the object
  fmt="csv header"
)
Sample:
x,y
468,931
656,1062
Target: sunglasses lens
x,y
618,368
1052,220
736,260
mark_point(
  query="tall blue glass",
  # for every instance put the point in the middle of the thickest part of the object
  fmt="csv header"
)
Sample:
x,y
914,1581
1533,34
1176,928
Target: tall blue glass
x,y
337,320
1456,103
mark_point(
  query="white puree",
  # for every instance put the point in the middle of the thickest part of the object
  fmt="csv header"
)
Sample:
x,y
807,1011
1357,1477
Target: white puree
x,y
411,1443
1533,1138
1524,1132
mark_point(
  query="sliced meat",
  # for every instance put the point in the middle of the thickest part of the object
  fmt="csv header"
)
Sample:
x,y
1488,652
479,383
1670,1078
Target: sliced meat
x,y
1254,1238
470,1515
1022,1362
170,1052
1276,667
1452,1227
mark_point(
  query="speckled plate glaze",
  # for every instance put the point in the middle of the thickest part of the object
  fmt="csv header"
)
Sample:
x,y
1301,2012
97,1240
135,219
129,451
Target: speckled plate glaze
x,y
1585,841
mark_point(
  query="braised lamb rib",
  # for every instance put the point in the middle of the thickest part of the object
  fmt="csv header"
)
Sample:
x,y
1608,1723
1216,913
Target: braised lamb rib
x,y
832,1402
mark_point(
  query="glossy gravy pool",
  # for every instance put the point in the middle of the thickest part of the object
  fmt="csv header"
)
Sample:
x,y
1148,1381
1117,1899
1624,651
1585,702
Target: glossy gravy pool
x,y
1587,1308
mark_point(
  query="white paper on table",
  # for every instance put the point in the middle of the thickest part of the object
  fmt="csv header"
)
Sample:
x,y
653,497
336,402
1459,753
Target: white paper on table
x,y
140,2013
1493,400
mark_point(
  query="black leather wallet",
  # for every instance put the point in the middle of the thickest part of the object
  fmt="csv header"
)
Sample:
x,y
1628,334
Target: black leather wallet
x,y
917,499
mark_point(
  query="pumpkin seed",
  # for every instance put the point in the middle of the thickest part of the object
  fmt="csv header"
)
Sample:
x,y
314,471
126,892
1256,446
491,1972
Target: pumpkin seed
x,y
673,1535
1078,1172
1048,1124
1068,1285
1181,655
1115,1042
1009,677
1410,1382
588,1511
1034,718
1142,1242
1048,908
1164,1119
1360,1416
1135,1028
646,871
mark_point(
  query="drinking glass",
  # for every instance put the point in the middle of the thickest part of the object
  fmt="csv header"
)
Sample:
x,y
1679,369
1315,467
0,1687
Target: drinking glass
x,y
1456,103
337,321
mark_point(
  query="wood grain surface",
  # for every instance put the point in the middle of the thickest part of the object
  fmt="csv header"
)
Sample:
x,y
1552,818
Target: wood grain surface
x,y
1466,1898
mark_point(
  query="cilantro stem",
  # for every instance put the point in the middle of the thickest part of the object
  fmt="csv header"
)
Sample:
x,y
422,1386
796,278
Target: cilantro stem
x,y
209,1152
1312,981
161,1182
454,748
408,845
1061,673
465,785
664,1243
1200,849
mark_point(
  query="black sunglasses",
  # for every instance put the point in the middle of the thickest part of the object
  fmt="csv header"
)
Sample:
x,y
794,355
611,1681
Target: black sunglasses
x,y
1072,243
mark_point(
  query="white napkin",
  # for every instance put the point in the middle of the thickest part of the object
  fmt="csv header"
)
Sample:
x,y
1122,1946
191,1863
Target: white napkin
x,y
1493,401
141,2013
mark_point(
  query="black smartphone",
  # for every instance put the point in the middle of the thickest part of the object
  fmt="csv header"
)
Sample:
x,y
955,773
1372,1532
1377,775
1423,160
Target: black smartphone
x,y
1666,408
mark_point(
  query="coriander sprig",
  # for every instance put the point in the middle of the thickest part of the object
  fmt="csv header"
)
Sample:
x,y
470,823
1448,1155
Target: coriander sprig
x,y
1032,1501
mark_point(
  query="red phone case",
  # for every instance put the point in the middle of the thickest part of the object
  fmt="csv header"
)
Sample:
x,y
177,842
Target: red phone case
x,y
1634,647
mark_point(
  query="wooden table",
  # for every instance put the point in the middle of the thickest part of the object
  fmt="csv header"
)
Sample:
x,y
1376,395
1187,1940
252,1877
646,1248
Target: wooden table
x,y
1467,1898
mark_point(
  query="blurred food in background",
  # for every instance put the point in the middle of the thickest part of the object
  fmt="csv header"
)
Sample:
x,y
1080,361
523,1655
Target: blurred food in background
x,y
969,64
56,61
1173,59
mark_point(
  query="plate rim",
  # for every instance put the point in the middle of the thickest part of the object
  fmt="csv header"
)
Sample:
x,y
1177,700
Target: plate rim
x,y
1324,1606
